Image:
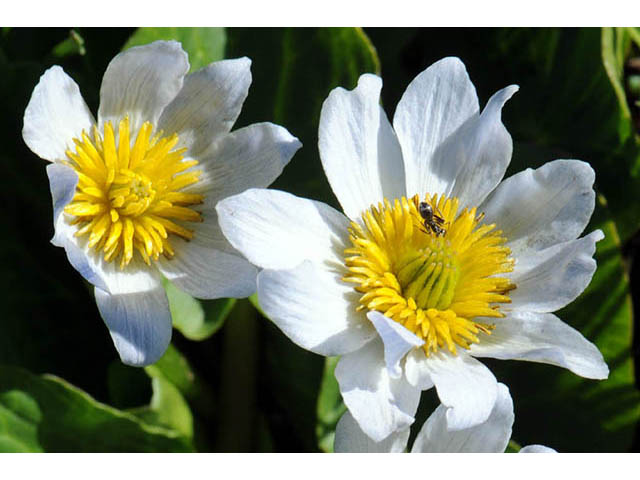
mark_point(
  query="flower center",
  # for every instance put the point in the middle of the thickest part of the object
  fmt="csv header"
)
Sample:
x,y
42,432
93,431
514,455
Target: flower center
x,y
129,198
430,268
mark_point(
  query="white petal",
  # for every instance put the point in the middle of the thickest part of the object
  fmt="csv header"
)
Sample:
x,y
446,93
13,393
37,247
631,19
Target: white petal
x,y
139,324
62,182
358,148
415,371
537,449
314,308
134,278
55,115
380,404
436,104
543,338
397,341
490,436
250,157
464,385
206,272
539,208
278,230
208,104
140,82
549,279
473,160
351,439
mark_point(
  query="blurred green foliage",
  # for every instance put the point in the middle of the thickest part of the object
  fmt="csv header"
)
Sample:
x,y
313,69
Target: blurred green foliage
x,y
45,413
231,381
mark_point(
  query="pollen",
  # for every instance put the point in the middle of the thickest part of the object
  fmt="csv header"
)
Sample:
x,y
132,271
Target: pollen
x,y
129,199
443,284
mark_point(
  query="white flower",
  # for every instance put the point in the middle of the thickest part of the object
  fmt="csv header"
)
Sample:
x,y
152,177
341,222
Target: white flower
x,y
435,262
491,436
134,194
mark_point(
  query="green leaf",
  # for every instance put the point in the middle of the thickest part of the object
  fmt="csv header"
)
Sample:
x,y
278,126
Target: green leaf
x,y
73,45
204,45
20,414
513,447
45,413
196,319
330,406
215,314
254,301
615,45
167,407
175,368
165,394
187,314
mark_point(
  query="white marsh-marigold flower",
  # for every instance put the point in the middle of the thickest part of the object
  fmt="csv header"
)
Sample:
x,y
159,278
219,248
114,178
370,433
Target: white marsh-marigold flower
x,y
435,261
134,193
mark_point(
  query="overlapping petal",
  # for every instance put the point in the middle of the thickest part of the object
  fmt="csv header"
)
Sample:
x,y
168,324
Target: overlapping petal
x,y
543,338
490,436
379,403
549,279
472,161
314,308
208,104
437,103
141,82
465,386
536,209
397,341
414,370
204,272
358,148
274,229
250,157
253,156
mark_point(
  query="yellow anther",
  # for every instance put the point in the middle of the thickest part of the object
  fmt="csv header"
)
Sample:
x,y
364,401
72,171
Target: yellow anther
x,y
130,198
433,279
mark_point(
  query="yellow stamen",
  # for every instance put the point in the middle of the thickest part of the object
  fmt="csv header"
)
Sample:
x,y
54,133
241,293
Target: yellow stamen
x,y
436,284
129,198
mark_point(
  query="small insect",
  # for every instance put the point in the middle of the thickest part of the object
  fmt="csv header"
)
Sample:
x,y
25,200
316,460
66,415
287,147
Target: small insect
x,y
432,221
